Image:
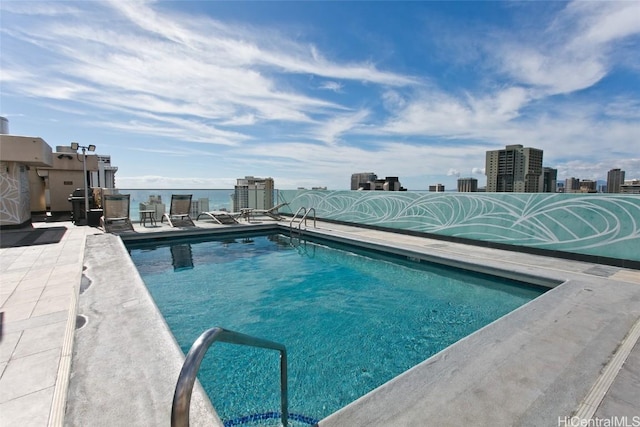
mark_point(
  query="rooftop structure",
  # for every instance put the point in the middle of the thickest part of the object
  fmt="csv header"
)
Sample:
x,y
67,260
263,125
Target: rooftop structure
x,y
37,179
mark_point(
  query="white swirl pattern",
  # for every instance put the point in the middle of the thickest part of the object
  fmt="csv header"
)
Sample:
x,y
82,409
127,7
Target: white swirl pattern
x,y
603,225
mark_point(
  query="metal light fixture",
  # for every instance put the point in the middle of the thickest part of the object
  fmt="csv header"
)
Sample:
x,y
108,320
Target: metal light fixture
x,y
91,147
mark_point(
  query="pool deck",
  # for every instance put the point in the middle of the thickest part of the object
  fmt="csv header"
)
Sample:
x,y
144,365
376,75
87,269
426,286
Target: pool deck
x,y
571,352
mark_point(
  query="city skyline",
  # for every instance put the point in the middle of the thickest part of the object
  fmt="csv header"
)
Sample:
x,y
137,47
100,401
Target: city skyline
x,y
196,94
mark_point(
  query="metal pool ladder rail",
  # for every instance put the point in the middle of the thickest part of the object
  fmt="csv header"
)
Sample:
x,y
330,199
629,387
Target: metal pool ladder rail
x,y
305,213
187,378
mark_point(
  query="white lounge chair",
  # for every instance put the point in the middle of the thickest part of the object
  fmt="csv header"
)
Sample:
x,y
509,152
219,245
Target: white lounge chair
x,y
271,212
221,217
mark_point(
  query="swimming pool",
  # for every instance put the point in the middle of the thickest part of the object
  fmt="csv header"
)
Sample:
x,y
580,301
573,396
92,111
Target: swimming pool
x,y
351,320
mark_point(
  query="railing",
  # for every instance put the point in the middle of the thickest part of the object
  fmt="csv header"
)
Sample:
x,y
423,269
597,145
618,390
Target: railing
x,y
306,212
187,378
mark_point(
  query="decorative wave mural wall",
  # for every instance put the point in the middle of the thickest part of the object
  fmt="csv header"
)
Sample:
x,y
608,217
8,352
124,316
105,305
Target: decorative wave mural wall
x,y
606,225
14,194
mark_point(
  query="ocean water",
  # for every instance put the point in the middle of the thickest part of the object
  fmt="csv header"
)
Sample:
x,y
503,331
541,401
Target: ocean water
x,y
351,320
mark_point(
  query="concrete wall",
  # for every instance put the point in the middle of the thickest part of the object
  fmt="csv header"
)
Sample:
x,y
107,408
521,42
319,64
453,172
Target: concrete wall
x,y
602,225
27,150
19,155
64,176
37,192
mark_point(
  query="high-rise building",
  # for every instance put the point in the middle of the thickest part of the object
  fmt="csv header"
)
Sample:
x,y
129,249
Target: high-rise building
x,y
615,178
549,180
467,185
362,180
571,185
438,188
254,193
514,169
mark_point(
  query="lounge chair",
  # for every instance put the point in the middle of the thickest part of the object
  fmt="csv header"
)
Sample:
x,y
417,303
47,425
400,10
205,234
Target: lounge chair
x,y
179,211
115,213
271,212
221,217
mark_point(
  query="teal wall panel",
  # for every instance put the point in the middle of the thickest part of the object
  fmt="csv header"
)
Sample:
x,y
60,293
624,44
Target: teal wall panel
x,y
605,225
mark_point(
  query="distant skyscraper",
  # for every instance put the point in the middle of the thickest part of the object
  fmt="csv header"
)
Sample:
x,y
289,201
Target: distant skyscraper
x,y
514,169
549,180
438,188
467,185
252,192
571,185
615,178
362,180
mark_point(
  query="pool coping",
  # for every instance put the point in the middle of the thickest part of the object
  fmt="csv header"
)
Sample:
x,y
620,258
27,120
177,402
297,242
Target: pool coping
x,y
528,374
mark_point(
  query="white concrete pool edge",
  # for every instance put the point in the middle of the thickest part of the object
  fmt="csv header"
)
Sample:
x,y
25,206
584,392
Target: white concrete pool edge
x,y
467,381
125,360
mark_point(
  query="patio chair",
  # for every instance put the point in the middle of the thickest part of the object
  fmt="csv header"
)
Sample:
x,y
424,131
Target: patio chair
x,y
271,212
179,211
221,217
115,213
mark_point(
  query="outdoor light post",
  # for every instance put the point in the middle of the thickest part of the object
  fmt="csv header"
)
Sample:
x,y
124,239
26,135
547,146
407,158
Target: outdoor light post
x,y
91,147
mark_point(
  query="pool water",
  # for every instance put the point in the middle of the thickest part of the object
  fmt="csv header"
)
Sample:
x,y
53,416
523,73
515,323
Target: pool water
x,y
351,320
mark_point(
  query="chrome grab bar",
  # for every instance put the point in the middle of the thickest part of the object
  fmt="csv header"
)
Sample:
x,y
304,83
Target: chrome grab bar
x,y
306,212
295,215
304,218
189,371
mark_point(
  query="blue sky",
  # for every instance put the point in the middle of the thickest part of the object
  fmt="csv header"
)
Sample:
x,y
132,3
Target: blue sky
x,y
196,94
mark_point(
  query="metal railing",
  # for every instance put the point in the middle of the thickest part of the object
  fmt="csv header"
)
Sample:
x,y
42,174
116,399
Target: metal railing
x,y
187,378
302,210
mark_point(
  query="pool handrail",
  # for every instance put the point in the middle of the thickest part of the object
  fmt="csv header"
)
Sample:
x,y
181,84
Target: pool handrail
x,y
191,366
306,213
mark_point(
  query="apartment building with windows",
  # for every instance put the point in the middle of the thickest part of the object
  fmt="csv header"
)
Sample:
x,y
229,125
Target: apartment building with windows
x,y
253,193
514,169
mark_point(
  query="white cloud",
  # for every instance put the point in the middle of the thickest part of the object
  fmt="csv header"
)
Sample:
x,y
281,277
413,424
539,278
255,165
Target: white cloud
x,y
573,52
330,130
332,86
143,69
169,64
